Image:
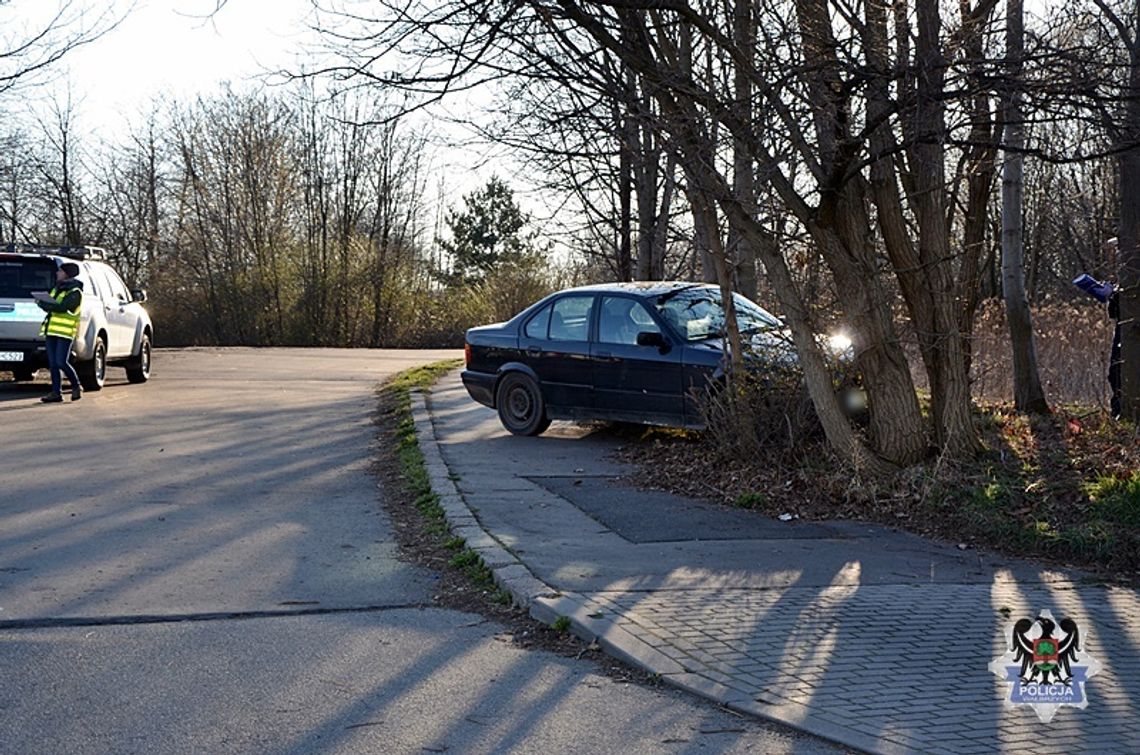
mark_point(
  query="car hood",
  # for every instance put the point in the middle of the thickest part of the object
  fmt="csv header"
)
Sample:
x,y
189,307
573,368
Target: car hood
x,y
772,347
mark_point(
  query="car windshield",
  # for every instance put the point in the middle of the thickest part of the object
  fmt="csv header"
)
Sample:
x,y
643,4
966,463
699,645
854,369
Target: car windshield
x,y
19,278
696,313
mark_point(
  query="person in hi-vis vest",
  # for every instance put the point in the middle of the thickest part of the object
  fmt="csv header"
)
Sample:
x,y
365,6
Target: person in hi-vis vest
x,y
60,328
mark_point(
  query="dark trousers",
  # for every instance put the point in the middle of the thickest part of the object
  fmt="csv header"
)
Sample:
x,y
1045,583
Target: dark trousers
x,y
59,358
1114,377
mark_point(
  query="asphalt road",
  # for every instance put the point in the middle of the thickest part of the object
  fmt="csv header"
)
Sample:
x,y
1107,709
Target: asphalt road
x,y
202,564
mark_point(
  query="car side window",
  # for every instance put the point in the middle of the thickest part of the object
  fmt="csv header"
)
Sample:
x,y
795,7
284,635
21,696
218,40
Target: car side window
x,y
536,326
570,318
102,289
621,319
118,288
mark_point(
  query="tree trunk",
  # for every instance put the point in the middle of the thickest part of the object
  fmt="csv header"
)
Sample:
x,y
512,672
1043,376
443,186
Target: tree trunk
x,y
1028,395
626,145
647,167
1128,279
741,253
980,170
1129,283
841,229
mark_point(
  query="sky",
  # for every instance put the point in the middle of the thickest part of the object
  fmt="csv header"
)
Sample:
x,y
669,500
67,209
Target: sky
x,y
173,47
181,48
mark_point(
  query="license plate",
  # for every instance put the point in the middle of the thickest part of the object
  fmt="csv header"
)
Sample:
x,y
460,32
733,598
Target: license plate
x,y
11,356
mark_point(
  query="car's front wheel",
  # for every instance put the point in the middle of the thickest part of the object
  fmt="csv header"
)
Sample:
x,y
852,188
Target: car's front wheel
x,y
138,370
93,372
521,408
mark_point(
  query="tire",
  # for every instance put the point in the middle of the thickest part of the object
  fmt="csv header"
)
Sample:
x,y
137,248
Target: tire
x,y
521,408
138,369
24,375
93,372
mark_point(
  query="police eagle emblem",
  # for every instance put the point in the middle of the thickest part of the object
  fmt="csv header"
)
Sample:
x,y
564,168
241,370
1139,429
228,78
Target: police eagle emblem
x,y
1046,655
1045,665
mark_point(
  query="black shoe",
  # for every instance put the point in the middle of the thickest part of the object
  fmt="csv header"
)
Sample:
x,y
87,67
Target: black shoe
x,y
76,393
52,398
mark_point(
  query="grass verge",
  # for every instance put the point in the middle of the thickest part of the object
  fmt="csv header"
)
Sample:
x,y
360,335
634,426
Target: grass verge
x,y
414,473
464,581
407,447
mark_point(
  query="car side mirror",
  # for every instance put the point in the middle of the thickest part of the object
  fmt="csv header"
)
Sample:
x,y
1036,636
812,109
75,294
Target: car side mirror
x,y
138,294
653,338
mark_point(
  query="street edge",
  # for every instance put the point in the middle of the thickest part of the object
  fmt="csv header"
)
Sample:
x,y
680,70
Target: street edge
x,y
547,604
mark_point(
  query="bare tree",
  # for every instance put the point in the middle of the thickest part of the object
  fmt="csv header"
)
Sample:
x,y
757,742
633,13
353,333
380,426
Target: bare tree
x,y
16,164
36,34
126,212
1095,84
236,199
59,166
1128,29
1028,394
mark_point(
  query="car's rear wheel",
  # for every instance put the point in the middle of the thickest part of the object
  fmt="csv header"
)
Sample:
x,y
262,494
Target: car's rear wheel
x,y
521,408
138,369
93,372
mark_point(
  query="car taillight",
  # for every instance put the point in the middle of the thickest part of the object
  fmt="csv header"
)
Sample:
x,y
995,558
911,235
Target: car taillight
x,y
467,353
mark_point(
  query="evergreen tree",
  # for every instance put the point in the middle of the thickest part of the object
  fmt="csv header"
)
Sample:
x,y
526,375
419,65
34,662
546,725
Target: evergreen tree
x,y
487,233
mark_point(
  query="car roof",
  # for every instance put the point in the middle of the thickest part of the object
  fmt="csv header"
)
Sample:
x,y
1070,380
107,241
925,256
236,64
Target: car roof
x,y
48,258
76,253
646,289
640,289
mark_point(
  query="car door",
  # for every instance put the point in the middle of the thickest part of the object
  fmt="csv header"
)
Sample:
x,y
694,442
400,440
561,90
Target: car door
x,y
633,382
555,343
115,301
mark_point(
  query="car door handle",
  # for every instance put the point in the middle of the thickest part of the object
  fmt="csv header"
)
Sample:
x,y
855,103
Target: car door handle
x,y
603,354
533,351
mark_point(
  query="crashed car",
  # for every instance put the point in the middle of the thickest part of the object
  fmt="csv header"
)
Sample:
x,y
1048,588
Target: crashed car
x,y
638,352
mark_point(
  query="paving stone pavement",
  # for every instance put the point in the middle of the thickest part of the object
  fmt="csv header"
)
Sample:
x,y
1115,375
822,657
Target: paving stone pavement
x,y
854,652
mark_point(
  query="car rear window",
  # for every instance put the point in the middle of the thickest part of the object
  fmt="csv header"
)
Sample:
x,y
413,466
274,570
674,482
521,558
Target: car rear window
x,y
20,277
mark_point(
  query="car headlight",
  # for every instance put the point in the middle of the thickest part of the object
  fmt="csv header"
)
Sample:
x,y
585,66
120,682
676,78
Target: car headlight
x,y
840,344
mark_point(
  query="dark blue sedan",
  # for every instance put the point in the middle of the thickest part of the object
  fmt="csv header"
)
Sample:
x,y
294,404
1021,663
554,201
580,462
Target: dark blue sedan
x,y
627,352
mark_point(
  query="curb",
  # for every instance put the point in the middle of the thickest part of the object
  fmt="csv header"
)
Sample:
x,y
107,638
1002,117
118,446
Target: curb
x,y
545,603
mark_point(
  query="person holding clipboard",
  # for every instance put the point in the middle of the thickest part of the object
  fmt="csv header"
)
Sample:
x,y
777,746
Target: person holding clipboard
x,y
60,327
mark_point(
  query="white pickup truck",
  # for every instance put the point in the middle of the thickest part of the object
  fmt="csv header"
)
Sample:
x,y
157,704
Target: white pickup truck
x,y
114,327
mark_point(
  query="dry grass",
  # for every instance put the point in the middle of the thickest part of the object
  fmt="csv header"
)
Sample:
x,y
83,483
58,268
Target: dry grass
x,y
1072,342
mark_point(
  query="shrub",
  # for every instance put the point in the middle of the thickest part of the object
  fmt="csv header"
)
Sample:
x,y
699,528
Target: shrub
x,y
761,412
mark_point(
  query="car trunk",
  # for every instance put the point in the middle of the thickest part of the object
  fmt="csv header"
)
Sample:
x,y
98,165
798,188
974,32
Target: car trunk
x,y
20,318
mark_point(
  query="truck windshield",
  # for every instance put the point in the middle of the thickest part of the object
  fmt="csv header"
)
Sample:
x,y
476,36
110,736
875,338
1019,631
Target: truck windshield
x,y
20,277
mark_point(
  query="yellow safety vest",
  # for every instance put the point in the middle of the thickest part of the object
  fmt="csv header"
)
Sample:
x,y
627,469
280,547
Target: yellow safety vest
x,y
62,324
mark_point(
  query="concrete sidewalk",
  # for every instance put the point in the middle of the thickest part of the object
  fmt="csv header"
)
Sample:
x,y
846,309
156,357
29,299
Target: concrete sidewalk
x,y
869,637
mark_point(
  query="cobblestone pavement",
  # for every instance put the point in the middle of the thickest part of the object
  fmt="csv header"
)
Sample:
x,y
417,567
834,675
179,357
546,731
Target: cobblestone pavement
x,y
891,668
873,663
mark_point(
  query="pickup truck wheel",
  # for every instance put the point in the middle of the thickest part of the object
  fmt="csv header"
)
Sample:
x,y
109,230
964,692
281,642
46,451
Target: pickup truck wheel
x,y
521,408
93,372
138,369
